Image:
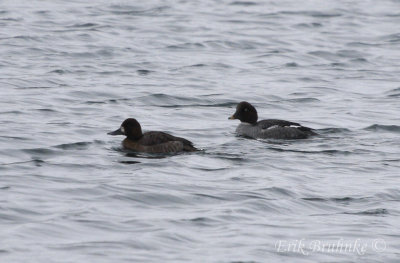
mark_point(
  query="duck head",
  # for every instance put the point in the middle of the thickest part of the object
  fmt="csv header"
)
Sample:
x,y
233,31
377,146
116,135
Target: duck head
x,y
130,128
245,112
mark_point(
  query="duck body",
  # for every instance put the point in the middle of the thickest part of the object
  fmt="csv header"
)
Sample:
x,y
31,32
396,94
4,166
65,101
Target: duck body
x,y
151,142
267,129
158,142
274,129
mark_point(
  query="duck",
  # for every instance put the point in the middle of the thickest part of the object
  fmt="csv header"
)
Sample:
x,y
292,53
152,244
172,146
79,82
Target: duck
x,y
152,141
266,129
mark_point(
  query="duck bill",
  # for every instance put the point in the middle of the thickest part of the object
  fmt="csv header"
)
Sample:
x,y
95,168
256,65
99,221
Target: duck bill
x,y
116,132
233,117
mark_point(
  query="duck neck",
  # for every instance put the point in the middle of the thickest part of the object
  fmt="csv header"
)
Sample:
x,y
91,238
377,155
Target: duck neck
x,y
249,123
134,137
135,134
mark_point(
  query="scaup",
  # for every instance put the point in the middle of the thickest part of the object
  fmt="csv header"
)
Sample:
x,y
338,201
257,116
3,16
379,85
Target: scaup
x,y
150,142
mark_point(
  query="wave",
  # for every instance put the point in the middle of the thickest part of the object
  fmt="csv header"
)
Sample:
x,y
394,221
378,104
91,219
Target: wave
x,y
333,130
371,212
243,3
381,127
170,101
342,200
394,93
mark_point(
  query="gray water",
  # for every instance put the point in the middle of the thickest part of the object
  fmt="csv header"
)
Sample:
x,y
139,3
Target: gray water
x,y
71,71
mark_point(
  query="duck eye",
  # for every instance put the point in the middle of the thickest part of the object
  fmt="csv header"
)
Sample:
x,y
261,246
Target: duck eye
x,y
246,109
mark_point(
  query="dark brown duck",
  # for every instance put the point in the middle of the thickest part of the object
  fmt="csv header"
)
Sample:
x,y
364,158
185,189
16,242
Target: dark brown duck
x,y
150,142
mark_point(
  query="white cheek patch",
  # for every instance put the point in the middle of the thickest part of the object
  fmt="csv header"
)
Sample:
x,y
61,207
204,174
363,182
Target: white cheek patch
x,y
122,129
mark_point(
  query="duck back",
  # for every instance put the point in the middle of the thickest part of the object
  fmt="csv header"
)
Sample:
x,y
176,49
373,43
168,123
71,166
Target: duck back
x,y
274,129
159,142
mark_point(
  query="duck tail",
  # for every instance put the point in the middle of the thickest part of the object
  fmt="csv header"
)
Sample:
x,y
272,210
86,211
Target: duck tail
x,y
189,148
307,130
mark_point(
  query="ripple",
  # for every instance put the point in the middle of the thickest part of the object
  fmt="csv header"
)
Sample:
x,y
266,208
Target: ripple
x,y
244,3
309,25
292,65
35,161
371,212
380,127
165,100
333,130
144,72
41,151
325,152
151,198
303,100
84,25
74,146
312,14
325,54
392,38
135,11
203,221
59,71
187,46
394,93
342,200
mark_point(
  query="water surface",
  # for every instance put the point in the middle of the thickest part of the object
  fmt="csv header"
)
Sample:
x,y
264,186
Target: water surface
x,y
72,71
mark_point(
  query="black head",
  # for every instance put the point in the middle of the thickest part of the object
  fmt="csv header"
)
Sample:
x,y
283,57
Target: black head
x,y
245,112
130,128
